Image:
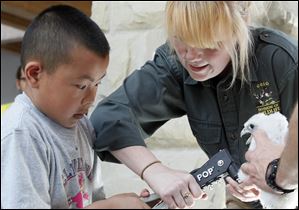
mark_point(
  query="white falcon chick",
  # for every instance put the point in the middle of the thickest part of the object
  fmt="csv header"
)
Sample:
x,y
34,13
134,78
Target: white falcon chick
x,y
276,127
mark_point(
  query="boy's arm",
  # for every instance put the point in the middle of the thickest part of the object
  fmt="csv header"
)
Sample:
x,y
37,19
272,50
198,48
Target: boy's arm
x,y
24,176
120,201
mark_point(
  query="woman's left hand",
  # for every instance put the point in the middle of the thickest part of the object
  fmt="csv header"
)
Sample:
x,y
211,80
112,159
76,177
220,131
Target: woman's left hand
x,y
242,191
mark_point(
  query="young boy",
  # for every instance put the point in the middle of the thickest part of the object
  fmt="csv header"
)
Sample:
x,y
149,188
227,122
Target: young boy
x,y
47,159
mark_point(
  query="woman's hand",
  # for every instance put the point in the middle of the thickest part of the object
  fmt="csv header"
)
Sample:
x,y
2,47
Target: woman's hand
x,y
243,191
257,160
177,189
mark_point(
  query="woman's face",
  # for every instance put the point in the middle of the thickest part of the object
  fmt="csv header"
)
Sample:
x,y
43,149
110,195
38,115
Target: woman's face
x,y
202,64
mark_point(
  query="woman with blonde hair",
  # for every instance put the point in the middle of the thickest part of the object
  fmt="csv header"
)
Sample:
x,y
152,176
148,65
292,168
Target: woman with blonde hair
x,y
215,69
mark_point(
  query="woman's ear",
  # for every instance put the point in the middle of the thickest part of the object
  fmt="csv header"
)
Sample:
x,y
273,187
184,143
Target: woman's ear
x,y
33,72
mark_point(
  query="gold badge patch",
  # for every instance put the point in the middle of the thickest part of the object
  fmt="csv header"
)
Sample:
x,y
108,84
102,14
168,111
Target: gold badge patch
x,y
265,100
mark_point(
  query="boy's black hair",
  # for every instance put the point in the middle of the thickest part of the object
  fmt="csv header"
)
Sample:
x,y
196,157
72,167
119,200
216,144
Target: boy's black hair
x,y
55,32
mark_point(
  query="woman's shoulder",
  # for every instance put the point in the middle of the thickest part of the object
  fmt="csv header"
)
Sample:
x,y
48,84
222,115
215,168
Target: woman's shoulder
x,y
276,58
272,40
165,56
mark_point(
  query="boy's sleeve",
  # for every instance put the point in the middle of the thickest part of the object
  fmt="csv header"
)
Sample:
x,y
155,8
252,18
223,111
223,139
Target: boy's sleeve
x,y
24,174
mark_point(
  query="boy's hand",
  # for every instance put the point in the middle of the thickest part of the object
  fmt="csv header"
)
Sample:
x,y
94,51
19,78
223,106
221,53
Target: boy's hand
x,y
127,201
120,201
144,193
243,192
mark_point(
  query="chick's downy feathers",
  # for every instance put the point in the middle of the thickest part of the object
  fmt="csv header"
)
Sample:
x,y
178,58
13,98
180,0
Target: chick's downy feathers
x,y
275,125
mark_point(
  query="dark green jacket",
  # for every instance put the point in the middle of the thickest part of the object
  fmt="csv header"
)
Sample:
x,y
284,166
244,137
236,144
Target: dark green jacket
x,y
162,90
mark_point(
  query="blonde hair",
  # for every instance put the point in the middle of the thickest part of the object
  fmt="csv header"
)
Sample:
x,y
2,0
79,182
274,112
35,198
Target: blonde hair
x,y
213,24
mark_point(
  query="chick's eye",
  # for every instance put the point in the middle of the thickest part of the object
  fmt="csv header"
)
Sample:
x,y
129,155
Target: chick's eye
x,y
251,126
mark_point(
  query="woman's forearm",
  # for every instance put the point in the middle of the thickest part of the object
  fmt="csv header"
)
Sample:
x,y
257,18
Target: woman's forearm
x,y
135,157
287,174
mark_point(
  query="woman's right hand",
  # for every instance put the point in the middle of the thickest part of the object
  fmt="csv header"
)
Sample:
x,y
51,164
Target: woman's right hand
x,y
243,191
178,189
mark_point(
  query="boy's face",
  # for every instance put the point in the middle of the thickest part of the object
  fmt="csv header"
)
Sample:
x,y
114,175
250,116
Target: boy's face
x,y
66,94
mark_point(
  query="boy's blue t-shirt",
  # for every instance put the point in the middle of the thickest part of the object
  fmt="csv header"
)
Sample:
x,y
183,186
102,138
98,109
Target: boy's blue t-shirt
x,y
44,165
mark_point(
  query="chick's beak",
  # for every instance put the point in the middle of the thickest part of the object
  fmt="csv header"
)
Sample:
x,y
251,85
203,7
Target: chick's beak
x,y
246,131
